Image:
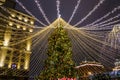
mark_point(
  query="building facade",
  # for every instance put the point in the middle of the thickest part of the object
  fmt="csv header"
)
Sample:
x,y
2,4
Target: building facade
x,y
15,42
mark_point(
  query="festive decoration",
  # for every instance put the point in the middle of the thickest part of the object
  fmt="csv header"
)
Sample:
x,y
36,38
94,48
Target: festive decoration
x,y
59,63
96,7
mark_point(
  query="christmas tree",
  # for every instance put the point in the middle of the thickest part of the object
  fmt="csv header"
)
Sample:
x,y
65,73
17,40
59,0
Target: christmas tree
x,y
59,63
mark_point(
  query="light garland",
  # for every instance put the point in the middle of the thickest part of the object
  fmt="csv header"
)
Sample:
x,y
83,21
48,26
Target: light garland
x,y
77,38
109,23
107,20
88,41
88,64
41,10
58,8
74,11
114,10
96,7
29,12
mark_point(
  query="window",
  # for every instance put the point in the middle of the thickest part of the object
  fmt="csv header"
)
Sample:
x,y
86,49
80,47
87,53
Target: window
x,y
6,65
15,59
22,67
22,60
7,58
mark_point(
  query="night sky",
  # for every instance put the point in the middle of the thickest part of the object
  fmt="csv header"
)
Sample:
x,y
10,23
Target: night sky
x,y
67,7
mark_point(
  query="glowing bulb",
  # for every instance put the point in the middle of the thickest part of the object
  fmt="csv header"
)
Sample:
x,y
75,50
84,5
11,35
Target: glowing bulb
x,y
13,15
89,73
20,17
9,66
5,43
10,23
28,48
26,20
18,26
1,64
24,28
32,22
26,68
59,16
31,30
18,67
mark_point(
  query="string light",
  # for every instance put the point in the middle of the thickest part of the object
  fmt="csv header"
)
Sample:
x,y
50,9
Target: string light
x,y
29,12
109,23
114,10
74,11
110,19
58,8
83,41
41,10
96,7
26,19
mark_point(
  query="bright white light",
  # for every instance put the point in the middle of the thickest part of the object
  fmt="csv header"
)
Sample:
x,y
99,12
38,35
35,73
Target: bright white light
x,y
26,68
24,28
10,23
31,30
74,11
1,64
5,43
114,10
31,22
25,19
89,73
18,26
96,7
41,10
12,14
59,16
20,17
58,8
